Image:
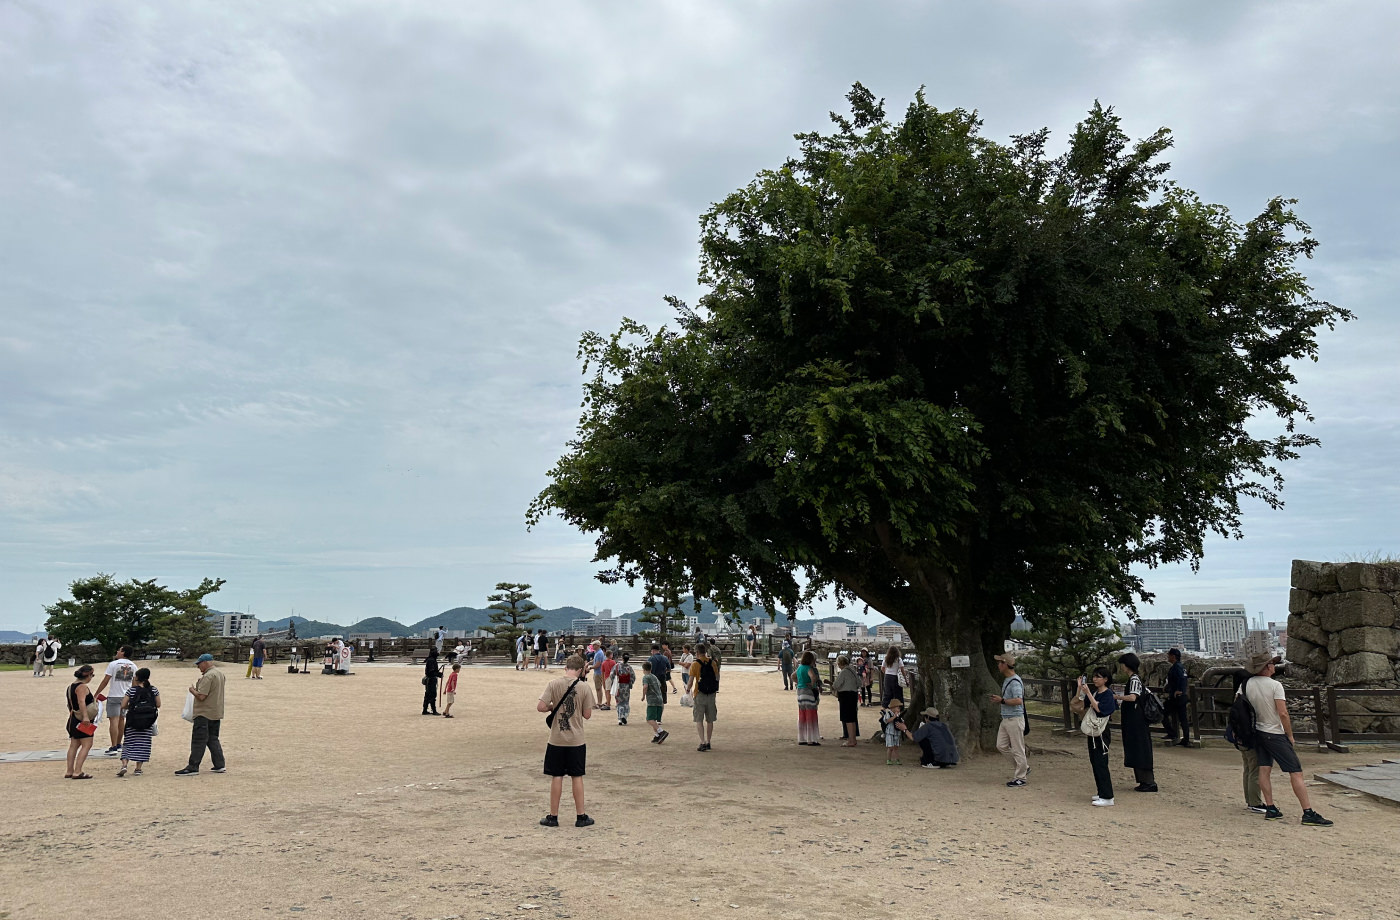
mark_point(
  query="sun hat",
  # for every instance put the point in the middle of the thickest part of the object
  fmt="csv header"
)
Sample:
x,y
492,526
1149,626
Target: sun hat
x,y
1261,661
930,712
1008,659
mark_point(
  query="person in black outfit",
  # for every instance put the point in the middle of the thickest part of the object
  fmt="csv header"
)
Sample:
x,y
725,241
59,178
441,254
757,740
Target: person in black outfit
x,y
1137,734
1099,697
1177,697
431,672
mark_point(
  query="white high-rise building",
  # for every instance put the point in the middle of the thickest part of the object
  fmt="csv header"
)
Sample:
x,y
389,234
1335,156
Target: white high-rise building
x,y
238,625
1219,625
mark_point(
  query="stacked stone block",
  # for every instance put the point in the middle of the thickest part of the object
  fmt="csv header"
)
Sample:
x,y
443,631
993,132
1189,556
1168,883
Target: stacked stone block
x,y
1343,631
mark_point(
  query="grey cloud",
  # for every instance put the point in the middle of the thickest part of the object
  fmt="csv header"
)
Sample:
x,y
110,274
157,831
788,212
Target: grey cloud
x,y
290,293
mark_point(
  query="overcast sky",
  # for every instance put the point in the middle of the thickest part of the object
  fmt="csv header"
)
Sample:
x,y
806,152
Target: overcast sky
x,y
290,293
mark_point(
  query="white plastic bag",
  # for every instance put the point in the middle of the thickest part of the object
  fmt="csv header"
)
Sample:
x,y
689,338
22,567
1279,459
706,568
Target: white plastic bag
x,y
188,712
687,701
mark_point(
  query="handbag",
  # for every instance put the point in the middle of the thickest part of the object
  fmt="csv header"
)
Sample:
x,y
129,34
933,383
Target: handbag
x,y
549,719
1093,724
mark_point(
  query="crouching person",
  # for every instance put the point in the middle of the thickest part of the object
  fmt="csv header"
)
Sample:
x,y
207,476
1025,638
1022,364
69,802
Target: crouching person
x,y
935,741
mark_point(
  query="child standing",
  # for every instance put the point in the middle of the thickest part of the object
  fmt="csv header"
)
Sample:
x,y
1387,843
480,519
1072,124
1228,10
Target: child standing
x,y
608,666
625,676
651,695
892,721
449,692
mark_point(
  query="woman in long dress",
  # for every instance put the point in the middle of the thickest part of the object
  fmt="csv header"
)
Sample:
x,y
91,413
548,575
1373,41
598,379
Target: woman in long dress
x,y
808,698
1137,734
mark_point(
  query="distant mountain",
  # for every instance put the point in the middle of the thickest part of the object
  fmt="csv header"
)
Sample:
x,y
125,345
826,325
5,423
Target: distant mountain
x,y
471,618
9,636
306,629
377,625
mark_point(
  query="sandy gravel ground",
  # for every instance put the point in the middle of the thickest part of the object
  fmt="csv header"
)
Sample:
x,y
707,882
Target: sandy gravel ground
x,y
342,801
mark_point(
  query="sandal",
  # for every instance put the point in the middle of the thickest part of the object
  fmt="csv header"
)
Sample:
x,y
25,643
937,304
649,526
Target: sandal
x,y
137,772
121,772
83,776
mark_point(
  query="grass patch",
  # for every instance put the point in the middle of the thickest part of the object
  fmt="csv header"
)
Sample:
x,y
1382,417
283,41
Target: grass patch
x,y
15,667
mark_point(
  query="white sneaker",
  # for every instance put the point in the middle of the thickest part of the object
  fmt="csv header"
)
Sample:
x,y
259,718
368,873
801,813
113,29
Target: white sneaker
x,y
1103,802
929,766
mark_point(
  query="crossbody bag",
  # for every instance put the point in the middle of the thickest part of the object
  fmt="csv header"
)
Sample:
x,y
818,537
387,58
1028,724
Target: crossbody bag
x,y
549,719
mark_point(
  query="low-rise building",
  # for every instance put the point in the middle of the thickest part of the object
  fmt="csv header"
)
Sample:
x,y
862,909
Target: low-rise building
x,y
892,632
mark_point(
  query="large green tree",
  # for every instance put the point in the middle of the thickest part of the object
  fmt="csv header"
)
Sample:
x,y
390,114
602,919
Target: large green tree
x,y
133,613
943,376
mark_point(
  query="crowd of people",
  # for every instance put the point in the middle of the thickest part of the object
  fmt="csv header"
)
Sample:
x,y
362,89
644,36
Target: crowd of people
x,y
132,706
601,677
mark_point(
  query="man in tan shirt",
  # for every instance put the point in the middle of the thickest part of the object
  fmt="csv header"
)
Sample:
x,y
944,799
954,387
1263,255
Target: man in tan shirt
x,y
208,714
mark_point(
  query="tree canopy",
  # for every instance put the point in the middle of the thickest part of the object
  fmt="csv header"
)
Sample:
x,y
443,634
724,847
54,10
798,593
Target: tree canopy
x,y
134,613
945,377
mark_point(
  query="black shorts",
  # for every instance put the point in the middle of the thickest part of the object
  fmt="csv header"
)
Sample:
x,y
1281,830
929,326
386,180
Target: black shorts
x,y
564,761
1275,751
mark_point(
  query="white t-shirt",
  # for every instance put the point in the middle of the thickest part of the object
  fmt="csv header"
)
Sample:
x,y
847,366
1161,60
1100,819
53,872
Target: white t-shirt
x,y
1261,693
123,672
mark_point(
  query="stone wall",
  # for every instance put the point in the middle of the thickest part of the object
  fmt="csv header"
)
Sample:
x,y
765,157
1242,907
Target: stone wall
x,y
1342,627
1343,631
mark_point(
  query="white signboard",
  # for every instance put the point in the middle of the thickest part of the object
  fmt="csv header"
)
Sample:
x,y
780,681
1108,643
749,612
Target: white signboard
x,y
961,661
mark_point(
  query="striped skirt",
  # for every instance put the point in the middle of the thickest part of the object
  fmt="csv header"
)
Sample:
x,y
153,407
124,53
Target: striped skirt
x,y
136,745
807,730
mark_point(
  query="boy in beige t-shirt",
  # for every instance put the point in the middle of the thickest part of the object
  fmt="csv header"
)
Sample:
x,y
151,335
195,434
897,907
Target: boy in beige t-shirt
x,y
571,700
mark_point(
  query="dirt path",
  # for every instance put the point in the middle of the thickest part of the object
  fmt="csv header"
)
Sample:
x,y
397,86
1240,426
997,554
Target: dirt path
x,y
342,801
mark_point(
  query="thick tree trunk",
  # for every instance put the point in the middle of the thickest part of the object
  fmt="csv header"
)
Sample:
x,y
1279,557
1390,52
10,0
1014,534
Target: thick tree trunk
x,y
962,696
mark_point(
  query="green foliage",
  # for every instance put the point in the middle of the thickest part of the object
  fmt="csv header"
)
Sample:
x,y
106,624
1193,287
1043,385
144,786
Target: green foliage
x,y
135,613
1072,642
511,608
662,609
942,377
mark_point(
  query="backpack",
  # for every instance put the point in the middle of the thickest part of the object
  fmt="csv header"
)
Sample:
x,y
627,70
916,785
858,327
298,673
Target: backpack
x,y
142,713
709,680
1239,724
1150,706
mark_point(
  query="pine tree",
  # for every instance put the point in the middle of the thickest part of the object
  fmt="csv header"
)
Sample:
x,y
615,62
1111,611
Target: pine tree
x,y
663,610
511,609
1069,643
